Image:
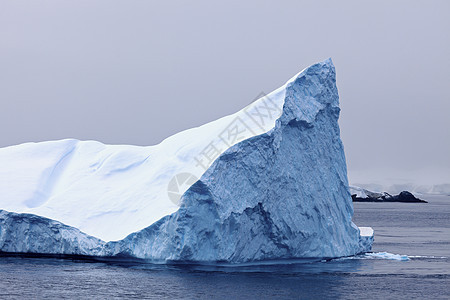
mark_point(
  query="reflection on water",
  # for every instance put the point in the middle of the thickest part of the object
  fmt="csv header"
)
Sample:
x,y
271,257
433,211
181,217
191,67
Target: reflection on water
x,y
417,265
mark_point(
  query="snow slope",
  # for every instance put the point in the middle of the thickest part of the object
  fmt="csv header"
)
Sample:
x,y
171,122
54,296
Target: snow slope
x,y
110,191
273,184
363,193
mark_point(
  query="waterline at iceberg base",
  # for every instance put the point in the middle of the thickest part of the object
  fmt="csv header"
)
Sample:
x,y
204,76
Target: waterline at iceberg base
x,y
277,191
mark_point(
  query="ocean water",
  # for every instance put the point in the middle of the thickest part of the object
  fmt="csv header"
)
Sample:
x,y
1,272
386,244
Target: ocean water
x,y
410,260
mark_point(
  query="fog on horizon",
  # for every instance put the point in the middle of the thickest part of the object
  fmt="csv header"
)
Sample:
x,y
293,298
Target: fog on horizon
x,y
136,72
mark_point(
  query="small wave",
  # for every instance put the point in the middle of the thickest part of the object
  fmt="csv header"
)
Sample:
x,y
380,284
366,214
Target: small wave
x,y
427,256
377,255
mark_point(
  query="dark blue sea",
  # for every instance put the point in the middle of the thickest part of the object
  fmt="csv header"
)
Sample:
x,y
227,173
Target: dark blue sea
x,y
411,260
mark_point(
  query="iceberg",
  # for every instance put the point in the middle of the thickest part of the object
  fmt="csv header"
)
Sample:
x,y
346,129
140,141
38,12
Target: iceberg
x,y
268,182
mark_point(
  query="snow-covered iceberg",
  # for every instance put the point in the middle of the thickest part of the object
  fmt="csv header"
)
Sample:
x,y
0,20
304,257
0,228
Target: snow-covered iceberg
x,y
269,182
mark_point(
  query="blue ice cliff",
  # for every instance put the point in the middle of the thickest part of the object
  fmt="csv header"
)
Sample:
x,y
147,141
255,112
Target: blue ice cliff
x,y
272,184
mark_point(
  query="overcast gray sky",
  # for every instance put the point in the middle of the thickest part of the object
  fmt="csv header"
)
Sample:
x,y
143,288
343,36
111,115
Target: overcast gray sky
x,y
135,72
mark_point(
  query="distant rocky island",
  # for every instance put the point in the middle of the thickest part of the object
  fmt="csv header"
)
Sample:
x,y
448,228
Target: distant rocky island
x,y
363,195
